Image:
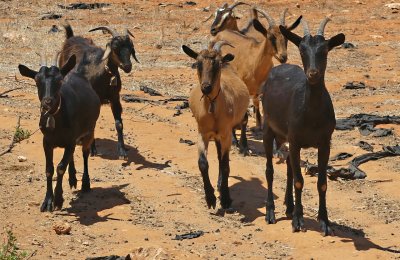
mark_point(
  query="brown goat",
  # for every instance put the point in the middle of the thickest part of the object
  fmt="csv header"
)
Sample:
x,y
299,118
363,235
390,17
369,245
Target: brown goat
x,y
218,104
254,58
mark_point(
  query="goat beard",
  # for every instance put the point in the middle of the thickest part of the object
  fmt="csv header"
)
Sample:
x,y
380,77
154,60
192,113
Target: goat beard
x,y
50,122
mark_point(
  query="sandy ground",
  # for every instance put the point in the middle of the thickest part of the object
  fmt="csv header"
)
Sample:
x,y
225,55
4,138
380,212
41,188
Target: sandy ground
x,y
138,206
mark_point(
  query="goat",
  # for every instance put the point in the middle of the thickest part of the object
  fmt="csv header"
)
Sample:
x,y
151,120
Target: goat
x,y
102,70
218,104
254,58
299,110
69,111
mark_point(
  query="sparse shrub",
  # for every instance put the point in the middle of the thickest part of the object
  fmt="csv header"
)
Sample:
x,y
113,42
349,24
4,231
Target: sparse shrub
x,y
9,249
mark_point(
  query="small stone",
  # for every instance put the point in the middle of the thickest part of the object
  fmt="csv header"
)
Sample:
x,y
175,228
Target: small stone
x,y
22,158
62,228
85,243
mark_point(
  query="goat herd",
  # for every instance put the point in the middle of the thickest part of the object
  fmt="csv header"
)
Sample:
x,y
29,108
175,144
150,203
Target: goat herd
x,y
237,65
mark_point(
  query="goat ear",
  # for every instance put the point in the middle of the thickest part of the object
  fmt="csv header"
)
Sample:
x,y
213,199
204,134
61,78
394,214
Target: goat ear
x,y
191,53
295,24
227,58
336,41
259,27
67,67
26,72
294,38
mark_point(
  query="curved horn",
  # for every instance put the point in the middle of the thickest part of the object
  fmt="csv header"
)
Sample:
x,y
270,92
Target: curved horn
x,y
231,7
322,26
270,20
218,45
106,52
106,28
54,61
283,16
127,32
43,62
305,26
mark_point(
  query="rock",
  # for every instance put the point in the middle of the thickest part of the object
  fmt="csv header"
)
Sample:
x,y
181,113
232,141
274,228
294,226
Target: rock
x,y
393,6
62,228
22,158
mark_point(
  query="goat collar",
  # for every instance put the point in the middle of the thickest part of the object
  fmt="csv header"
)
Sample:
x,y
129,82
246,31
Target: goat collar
x,y
108,70
211,108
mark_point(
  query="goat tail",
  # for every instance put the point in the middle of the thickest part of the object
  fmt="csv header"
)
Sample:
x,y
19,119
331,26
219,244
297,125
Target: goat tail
x,y
68,31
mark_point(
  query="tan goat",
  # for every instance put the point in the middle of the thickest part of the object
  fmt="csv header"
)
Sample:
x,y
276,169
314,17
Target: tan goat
x,y
253,57
218,104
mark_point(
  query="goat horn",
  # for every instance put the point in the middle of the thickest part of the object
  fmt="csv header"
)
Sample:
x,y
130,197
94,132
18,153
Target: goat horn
x,y
283,16
127,32
106,28
55,59
270,20
43,62
106,52
237,4
217,46
322,26
305,26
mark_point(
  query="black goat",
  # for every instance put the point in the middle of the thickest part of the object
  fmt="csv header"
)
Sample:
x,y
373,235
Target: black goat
x,y
101,69
299,110
69,110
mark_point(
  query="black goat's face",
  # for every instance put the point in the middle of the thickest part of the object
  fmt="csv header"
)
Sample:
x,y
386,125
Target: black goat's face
x,y
224,19
314,51
208,64
48,82
121,50
278,41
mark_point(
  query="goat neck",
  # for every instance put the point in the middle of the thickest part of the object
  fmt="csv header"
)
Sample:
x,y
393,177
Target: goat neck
x,y
210,100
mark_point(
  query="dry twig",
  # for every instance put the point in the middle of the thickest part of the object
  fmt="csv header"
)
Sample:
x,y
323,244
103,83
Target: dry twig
x,y
11,146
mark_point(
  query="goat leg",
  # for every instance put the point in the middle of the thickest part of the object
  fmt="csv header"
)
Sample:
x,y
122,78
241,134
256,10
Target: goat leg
x,y
72,173
86,144
117,111
218,146
323,157
47,204
61,167
256,103
203,166
225,197
93,149
289,190
298,220
268,140
243,147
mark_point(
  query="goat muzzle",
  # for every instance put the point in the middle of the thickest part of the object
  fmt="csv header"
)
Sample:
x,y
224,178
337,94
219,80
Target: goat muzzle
x,y
206,88
126,67
313,75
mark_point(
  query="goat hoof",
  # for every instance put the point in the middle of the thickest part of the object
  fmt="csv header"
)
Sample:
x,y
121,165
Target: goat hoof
x,y
326,230
211,201
226,202
298,223
85,186
72,182
58,202
270,217
289,214
47,204
244,151
123,155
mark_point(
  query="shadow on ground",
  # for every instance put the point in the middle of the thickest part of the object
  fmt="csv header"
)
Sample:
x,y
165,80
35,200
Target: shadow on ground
x,y
107,149
86,206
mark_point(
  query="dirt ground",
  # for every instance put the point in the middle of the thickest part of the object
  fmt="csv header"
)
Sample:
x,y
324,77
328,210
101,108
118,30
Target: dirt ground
x,y
138,206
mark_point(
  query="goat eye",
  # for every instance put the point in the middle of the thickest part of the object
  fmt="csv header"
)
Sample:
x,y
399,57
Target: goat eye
x,y
195,65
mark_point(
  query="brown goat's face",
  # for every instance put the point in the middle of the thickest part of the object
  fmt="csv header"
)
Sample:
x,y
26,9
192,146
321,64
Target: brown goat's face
x,y
279,43
121,50
224,19
208,64
48,81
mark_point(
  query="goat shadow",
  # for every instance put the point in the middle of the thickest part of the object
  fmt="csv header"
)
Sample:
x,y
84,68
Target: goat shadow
x,y
86,206
107,149
348,235
248,197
